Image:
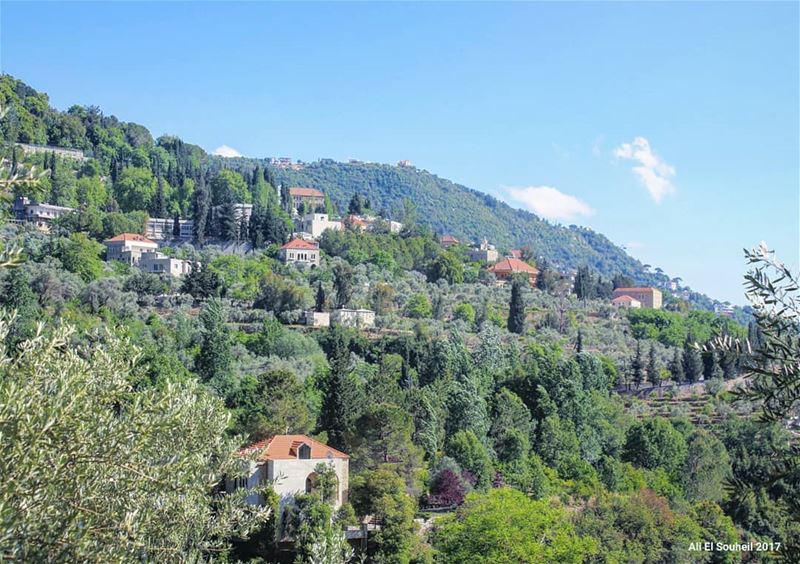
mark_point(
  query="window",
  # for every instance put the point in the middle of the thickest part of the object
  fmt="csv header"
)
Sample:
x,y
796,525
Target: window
x,y
304,452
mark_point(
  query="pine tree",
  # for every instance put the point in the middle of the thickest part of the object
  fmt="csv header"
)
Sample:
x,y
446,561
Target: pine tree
x,y
652,366
356,205
676,367
244,232
256,227
637,366
711,368
200,209
692,363
227,224
516,312
158,207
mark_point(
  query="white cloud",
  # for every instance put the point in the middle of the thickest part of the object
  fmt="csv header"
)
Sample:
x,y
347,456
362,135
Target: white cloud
x,y
225,151
653,171
634,245
549,202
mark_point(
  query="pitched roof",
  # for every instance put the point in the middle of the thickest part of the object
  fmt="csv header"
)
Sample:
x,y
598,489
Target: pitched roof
x,y
131,237
511,265
515,253
625,298
447,239
305,192
285,447
300,244
642,289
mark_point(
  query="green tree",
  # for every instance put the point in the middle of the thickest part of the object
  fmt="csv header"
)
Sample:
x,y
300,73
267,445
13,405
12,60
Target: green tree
x,y
465,448
214,361
447,266
516,312
343,284
419,307
229,186
637,366
676,366
201,204
655,443
692,363
227,223
80,255
504,526
135,188
19,297
707,467
652,366
341,400
110,472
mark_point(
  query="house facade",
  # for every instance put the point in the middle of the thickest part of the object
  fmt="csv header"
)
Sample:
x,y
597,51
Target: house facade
x,y
160,229
626,301
483,253
289,464
318,318
448,241
357,318
312,197
41,215
129,247
649,297
157,263
299,251
316,223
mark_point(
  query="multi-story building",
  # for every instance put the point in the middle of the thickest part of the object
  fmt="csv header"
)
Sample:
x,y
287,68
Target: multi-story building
x,y
299,251
243,212
316,223
649,297
129,247
41,215
157,263
163,229
311,197
484,253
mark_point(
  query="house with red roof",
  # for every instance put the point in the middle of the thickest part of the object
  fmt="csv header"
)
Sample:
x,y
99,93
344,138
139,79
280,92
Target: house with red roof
x,y
300,251
311,197
649,297
289,463
448,241
510,266
129,247
626,301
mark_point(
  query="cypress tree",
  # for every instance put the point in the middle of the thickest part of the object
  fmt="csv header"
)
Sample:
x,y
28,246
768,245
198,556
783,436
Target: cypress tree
x,y
159,205
319,304
516,312
676,367
652,367
200,209
176,226
711,367
214,361
226,224
340,401
692,363
579,342
637,366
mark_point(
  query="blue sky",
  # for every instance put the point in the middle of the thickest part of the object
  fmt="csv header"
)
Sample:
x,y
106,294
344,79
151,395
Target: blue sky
x,y
670,127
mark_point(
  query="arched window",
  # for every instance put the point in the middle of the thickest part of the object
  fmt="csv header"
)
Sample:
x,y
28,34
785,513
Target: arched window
x,y
311,482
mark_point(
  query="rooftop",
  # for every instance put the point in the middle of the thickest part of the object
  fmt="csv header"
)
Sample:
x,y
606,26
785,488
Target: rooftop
x,y
301,244
307,192
284,447
512,265
624,298
642,289
131,237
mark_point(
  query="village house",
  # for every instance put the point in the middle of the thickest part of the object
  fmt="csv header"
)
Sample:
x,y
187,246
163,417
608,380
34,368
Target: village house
x,y
299,251
128,247
649,297
626,301
289,464
311,197
316,223
41,215
357,318
448,241
484,253
158,263
317,318
510,266
160,229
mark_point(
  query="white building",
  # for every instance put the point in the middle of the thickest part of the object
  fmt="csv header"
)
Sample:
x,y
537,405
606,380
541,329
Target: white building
x,y
317,223
626,301
289,464
299,251
358,318
76,154
484,253
318,318
157,263
128,247
40,215
160,228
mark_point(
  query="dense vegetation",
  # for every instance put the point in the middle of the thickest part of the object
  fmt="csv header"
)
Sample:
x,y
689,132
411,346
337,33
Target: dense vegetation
x,y
506,417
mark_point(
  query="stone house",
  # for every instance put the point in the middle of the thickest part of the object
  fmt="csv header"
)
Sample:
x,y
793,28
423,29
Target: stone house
x,y
129,247
311,197
510,266
626,301
358,318
317,318
157,263
299,251
316,223
649,297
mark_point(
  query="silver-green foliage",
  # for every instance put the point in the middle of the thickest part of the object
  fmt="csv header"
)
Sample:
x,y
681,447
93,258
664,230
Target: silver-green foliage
x,y
95,470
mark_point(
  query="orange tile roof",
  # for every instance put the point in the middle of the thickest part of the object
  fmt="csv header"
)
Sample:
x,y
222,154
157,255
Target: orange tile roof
x,y
447,239
285,447
130,237
306,192
510,265
642,289
300,244
625,298
515,253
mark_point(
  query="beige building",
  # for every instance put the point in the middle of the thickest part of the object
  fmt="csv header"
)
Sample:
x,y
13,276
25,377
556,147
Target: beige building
x,y
160,228
318,319
626,301
157,263
41,215
316,223
299,251
484,253
358,318
129,247
312,197
649,297
289,464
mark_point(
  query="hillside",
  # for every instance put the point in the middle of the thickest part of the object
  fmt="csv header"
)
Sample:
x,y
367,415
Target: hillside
x,y
452,208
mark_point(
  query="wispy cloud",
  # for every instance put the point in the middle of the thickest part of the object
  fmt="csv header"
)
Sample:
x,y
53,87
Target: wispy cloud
x,y
652,170
549,203
634,245
225,151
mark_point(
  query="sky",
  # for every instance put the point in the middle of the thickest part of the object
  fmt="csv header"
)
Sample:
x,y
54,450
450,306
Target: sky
x,y
670,127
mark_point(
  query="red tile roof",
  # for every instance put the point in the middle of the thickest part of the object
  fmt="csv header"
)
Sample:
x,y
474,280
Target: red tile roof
x,y
285,447
624,298
447,239
622,291
516,253
306,192
300,244
131,237
511,265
